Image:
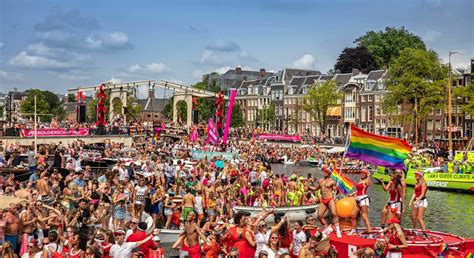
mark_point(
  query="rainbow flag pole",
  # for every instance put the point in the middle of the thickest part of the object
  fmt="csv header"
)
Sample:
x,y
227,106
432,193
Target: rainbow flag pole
x,y
344,184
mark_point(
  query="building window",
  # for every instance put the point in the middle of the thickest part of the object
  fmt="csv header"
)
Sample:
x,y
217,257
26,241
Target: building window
x,y
363,114
371,114
377,110
438,112
371,97
348,98
377,98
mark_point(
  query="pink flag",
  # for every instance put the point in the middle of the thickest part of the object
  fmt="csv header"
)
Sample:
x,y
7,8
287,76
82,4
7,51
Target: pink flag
x,y
212,134
194,135
233,93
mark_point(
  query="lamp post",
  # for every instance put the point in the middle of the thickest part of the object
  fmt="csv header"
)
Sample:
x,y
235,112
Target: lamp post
x,y
450,136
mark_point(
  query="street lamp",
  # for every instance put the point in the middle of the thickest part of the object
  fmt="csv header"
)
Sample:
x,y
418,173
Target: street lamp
x,y
450,136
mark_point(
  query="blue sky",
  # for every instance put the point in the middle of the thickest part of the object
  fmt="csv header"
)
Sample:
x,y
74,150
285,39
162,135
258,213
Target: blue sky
x,y
56,45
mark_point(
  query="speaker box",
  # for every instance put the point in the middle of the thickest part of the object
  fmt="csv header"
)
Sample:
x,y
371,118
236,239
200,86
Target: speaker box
x,y
81,114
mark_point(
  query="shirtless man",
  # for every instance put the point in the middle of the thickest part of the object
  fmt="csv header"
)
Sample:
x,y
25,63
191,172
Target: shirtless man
x,y
23,192
404,188
43,189
188,204
277,190
193,233
306,250
28,222
328,186
292,192
12,228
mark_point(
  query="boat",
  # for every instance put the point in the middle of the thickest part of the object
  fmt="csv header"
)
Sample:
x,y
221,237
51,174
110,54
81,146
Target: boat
x,y
145,217
435,179
295,213
169,236
287,161
418,245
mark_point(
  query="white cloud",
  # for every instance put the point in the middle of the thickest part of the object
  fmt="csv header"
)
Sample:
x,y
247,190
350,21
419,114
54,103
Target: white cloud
x,y
208,56
223,69
114,40
26,60
305,62
459,59
1,45
197,74
69,76
115,80
431,36
10,76
153,68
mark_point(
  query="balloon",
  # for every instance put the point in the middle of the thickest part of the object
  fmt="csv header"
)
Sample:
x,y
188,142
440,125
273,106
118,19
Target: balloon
x,y
344,207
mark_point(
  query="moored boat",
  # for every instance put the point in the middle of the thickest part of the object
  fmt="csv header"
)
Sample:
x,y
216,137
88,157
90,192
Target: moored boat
x,y
418,244
169,236
434,179
295,213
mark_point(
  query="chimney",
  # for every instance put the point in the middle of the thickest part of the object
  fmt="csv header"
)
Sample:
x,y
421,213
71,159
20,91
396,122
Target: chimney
x,y
355,71
238,70
262,73
15,90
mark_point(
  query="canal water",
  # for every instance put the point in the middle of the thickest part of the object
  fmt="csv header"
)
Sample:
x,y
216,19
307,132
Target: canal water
x,y
447,211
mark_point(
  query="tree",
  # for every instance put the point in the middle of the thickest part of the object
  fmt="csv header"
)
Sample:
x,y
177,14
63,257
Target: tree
x,y
319,99
237,119
27,107
133,109
295,117
71,97
356,58
416,76
117,106
182,108
266,116
466,92
168,109
386,46
206,106
92,110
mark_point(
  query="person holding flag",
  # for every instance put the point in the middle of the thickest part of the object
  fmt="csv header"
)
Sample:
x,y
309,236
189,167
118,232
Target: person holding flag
x,y
328,187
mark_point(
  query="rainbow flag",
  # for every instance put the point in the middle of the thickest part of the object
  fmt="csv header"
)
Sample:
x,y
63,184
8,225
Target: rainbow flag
x,y
443,248
344,184
377,150
469,255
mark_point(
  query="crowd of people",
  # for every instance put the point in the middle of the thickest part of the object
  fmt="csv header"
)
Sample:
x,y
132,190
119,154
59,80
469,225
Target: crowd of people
x,y
75,210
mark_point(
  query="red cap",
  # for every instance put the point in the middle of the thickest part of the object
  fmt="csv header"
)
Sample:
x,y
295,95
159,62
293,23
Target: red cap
x,y
419,173
364,171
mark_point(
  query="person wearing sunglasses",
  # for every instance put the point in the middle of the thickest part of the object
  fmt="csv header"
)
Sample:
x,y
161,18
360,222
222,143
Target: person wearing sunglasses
x,y
272,247
32,249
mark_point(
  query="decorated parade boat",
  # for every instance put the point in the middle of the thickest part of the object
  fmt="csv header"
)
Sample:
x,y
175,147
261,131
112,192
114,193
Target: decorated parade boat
x,y
434,178
435,244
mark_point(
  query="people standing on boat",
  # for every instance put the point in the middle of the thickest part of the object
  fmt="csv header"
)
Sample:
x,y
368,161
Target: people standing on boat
x,y
193,234
328,187
418,202
395,202
362,201
395,239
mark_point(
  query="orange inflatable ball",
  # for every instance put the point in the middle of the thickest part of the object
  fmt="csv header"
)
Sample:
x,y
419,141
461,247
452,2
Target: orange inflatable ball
x,y
344,207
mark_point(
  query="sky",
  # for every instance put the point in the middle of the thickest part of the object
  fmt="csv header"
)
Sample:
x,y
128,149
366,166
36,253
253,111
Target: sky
x,y
62,44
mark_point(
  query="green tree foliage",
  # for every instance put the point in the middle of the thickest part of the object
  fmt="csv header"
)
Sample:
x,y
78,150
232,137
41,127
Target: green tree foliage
x,y
168,109
206,106
182,107
27,107
71,97
92,110
266,116
467,93
237,119
386,46
356,58
416,76
319,99
117,106
133,109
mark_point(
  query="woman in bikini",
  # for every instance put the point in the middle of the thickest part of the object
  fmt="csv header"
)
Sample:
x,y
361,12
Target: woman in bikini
x,y
418,202
362,200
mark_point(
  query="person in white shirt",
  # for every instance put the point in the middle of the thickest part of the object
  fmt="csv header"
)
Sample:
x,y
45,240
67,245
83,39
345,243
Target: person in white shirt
x,y
261,237
122,249
299,238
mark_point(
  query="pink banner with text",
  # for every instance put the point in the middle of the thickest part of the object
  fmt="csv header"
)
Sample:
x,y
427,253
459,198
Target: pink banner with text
x,y
279,137
54,132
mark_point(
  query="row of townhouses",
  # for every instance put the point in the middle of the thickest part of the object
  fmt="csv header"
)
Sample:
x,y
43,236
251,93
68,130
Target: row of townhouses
x,y
361,104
